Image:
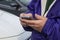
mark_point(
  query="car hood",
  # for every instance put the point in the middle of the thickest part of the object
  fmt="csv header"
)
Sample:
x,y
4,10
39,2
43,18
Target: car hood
x,y
9,25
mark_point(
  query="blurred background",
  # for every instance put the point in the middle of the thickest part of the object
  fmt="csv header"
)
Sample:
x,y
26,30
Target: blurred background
x,y
10,27
14,6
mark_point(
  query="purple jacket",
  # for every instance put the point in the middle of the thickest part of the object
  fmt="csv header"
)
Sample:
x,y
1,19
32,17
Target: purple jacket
x,y
51,30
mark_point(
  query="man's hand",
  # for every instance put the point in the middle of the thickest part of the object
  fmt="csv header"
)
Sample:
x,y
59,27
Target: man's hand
x,y
24,14
37,24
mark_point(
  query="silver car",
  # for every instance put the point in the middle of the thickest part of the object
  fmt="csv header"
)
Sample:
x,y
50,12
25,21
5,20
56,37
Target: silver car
x,y
10,26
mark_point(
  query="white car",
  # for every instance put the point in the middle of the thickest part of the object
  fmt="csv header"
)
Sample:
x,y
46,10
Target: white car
x,y
10,27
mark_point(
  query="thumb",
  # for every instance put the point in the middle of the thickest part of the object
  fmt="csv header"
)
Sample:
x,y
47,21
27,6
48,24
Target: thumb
x,y
38,17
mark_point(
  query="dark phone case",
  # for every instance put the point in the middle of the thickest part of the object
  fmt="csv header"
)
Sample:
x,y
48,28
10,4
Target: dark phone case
x,y
26,17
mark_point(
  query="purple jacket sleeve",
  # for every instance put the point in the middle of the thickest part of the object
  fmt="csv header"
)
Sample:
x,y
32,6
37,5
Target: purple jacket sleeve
x,y
52,28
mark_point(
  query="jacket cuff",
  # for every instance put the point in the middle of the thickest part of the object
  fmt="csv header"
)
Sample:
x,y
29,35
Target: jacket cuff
x,y
27,28
48,25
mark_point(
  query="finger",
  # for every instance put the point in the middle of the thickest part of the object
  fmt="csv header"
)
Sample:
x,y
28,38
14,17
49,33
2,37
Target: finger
x,y
23,23
26,14
22,14
38,17
31,25
29,21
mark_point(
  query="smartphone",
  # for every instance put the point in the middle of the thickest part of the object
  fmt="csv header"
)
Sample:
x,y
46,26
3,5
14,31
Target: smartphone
x,y
27,17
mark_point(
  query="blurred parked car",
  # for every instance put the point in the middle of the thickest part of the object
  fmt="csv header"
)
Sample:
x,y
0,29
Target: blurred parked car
x,y
10,27
14,6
